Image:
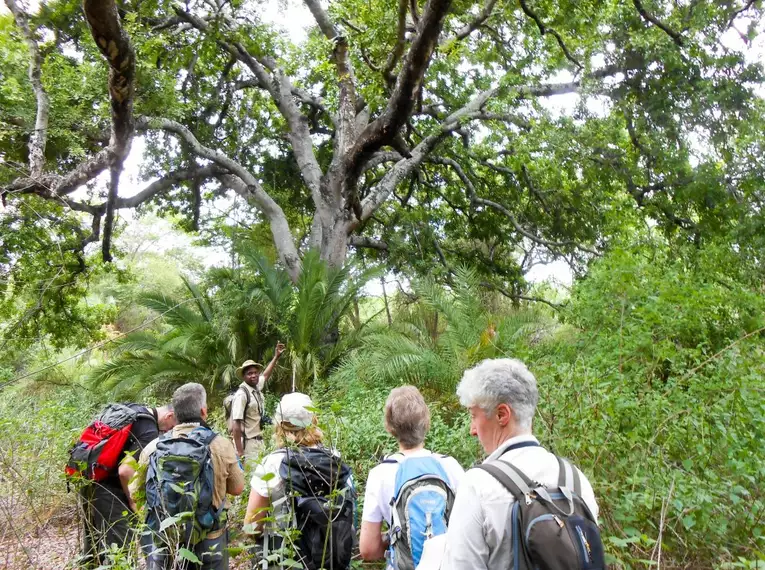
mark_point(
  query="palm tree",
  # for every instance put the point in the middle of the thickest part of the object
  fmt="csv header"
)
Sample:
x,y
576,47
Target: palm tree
x,y
309,316
435,339
190,346
204,336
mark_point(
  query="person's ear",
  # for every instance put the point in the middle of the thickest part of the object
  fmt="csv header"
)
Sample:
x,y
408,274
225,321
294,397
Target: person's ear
x,y
204,413
505,415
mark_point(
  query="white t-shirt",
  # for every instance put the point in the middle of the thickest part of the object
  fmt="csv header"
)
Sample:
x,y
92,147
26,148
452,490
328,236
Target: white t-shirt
x,y
381,484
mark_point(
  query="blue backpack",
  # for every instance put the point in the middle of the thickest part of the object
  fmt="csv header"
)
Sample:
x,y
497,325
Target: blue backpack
x,y
179,489
420,508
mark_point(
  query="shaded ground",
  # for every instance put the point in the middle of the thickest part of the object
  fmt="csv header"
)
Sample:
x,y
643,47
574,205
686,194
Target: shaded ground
x,y
47,548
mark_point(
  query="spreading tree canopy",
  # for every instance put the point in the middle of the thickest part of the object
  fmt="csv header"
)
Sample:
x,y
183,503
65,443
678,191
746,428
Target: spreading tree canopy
x,y
431,133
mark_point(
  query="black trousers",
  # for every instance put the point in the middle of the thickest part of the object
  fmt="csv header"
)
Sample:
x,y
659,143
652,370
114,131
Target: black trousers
x,y
106,521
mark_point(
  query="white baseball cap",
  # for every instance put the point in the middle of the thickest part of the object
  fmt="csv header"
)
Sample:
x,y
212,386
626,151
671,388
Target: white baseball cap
x,y
296,409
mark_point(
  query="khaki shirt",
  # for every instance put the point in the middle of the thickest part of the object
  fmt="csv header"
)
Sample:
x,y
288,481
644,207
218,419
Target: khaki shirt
x,y
226,471
251,415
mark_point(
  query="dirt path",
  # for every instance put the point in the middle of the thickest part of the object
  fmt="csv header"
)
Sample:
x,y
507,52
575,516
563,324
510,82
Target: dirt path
x,y
47,548
55,547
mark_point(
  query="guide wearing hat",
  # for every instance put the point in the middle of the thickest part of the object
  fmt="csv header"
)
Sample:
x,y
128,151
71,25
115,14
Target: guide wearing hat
x,y
247,405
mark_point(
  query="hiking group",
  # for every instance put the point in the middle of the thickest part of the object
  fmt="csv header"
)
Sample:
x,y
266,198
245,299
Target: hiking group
x,y
522,507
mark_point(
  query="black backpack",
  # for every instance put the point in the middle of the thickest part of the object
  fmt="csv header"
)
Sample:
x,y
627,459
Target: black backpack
x,y
323,505
552,529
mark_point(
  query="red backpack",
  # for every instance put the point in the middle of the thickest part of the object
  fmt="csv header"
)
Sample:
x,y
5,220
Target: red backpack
x,y
95,454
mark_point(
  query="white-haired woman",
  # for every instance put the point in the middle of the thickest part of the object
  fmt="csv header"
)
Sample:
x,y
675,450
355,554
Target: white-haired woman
x,y
290,484
407,418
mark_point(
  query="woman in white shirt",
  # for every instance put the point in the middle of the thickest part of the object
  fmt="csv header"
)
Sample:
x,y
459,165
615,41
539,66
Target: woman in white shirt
x,y
295,429
407,418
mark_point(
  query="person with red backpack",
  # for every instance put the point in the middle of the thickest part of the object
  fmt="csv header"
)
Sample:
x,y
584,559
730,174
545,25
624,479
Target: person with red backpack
x,y
97,464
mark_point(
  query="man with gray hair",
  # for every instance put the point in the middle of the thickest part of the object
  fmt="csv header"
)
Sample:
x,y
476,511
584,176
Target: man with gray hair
x,y
501,395
205,465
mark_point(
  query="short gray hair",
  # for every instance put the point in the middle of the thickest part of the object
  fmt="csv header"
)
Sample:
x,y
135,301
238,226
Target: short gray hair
x,y
407,416
501,381
188,401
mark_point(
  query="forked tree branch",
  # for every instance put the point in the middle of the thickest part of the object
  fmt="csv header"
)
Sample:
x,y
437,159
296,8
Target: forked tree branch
x,y
651,19
39,137
398,48
543,29
384,129
279,86
477,22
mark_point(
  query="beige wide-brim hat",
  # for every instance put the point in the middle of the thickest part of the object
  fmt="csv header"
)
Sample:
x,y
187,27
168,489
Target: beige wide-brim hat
x,y
246,364
295,409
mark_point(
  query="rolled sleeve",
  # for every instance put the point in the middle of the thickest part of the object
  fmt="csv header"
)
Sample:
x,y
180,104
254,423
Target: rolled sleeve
x,y
371,512
265,478
238,405
466,547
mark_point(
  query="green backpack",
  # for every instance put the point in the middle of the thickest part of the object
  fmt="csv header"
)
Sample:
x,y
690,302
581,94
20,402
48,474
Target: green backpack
x,y
179,489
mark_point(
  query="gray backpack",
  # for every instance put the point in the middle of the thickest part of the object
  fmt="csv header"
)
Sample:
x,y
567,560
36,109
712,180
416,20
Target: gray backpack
x,y
552,529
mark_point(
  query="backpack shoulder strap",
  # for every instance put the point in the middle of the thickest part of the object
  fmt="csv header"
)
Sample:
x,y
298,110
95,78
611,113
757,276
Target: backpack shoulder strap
x,y
203,435
563,476
390,458
509,476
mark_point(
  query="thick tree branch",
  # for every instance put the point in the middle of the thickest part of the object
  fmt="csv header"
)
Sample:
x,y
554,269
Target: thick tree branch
x,y
167,182
408,84
280,229
113,42
280,88
381,158
477,22
676,37
404,167
229,164
322,19
543,29
39,136
367,242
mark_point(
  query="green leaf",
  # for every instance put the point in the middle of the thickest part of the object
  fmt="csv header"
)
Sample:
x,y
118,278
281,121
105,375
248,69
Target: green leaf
x,y
170,521
186,554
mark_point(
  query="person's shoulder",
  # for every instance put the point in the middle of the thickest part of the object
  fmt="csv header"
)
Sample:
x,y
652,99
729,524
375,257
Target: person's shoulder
x,y
271,463
387,466
148,450
241,391
221,443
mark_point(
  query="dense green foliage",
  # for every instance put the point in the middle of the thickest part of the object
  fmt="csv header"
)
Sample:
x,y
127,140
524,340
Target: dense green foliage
x,y
650,379
207,331
601,115
622,137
